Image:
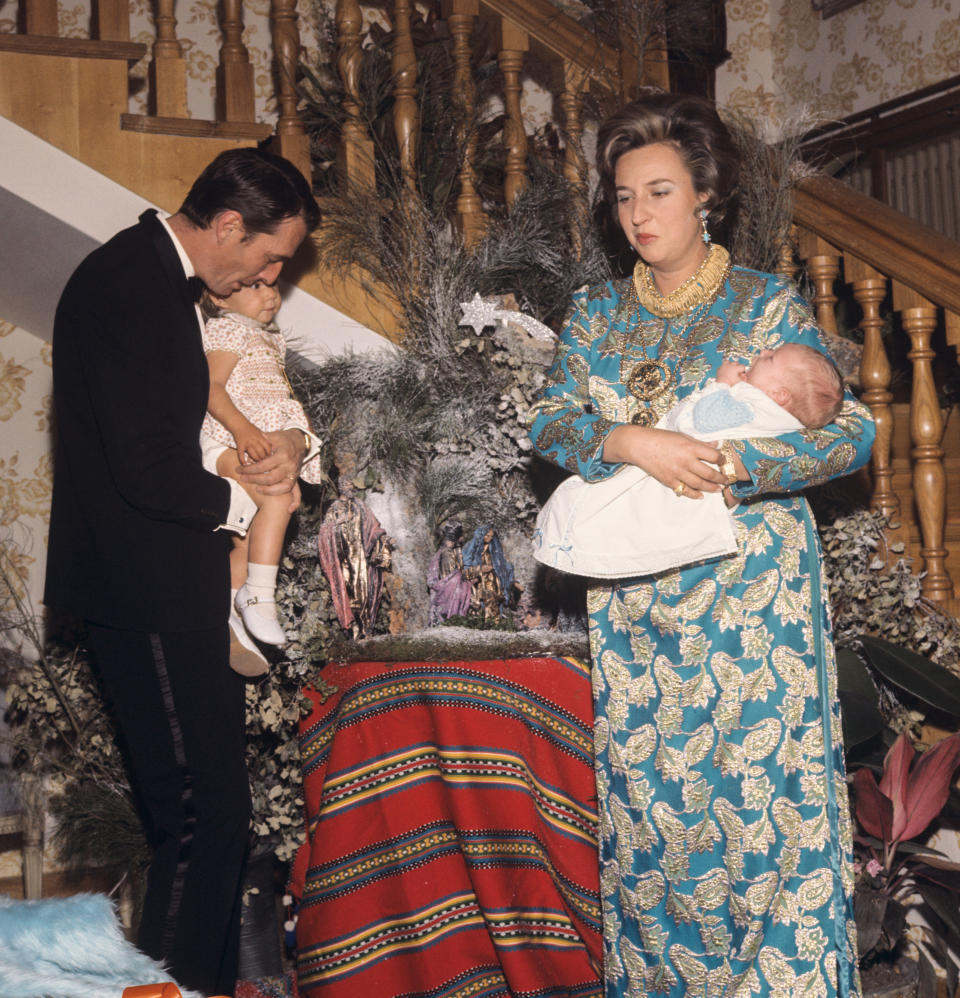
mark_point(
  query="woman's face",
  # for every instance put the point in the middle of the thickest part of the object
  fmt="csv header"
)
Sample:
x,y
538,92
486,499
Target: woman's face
x,y
658,210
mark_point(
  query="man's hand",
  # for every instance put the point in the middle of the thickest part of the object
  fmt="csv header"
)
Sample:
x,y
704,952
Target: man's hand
x,y
278,473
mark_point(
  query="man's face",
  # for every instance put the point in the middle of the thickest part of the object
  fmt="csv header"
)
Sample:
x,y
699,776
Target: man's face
x,y
241,259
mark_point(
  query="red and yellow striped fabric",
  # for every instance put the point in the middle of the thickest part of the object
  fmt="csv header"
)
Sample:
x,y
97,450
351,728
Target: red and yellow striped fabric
x,y
451,821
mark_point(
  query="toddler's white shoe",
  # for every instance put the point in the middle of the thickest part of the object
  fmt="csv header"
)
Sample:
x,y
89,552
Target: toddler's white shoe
x,y
245,657
260,617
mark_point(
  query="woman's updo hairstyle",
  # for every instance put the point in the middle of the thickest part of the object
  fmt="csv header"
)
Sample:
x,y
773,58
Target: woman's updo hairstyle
x,y
692,126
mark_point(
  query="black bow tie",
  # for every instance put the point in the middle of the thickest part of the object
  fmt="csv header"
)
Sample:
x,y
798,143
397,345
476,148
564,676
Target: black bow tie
x,y
195,288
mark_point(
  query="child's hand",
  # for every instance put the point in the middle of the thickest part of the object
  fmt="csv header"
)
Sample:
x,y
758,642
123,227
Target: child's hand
x,y
253,445
730,372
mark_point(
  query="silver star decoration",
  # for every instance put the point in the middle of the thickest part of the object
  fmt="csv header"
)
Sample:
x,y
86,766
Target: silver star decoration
x,y
480,313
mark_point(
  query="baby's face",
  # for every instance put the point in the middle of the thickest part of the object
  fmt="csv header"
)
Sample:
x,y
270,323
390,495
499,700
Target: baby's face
x,y
258,301
770,370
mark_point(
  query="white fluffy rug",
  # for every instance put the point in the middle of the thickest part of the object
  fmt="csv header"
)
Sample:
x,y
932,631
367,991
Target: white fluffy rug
x,y
69,947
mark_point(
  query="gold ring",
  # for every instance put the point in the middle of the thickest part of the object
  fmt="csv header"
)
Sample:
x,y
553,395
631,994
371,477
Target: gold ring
x,y
678,491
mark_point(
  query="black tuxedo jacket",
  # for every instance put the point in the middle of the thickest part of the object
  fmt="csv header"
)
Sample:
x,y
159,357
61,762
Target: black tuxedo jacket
x,y
132,541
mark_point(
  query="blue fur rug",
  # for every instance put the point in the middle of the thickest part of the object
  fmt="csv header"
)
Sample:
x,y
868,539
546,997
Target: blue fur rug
x,y
69,947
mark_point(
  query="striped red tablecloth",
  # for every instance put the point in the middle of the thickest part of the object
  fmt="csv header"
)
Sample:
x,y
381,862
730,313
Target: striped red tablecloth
x,y
451,821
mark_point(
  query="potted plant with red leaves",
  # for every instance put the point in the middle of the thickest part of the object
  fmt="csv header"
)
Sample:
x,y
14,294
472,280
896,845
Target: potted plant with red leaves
x,y
894,818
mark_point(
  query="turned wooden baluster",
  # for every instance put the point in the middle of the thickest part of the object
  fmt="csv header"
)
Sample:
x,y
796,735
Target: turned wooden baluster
x,y
41,17
570,99
235,72
869,290
405,111
472,219
355,154
823,266
291,138
787,266
919,318
168,68
514,42
111,21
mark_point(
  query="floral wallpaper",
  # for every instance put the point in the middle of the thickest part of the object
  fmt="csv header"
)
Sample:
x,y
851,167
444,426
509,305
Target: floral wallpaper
x,y
199,35
25,459
787,63
25,483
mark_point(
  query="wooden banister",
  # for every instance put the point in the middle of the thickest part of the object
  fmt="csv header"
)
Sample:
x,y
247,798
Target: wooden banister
x,y
41,17
406,114
904,250
112,20
514,42
355,153
235,72
563,36
73,48
291,138
168,69
880,248
471,218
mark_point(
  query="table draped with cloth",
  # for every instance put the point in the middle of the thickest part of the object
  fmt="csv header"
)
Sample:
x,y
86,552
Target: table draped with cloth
x,y
451,832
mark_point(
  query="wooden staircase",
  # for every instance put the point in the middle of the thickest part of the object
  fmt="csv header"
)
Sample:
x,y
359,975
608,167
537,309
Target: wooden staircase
x,y
74,94
885,257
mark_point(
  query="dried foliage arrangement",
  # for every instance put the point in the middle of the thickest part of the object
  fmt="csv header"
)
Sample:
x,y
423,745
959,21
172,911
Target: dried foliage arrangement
x,y
769,173
60,734
898,667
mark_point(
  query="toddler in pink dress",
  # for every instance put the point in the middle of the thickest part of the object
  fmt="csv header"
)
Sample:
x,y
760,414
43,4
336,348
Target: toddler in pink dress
x,y
250,395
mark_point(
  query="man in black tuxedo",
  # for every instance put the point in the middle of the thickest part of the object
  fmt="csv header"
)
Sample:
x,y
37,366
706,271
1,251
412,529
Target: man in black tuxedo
x,y
140,532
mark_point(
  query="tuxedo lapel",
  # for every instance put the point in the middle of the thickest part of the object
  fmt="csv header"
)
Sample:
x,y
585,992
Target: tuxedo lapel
x,y
184,347
169,260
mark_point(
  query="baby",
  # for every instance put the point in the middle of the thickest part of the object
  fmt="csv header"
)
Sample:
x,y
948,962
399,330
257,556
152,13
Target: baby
x,y
630,524
250,394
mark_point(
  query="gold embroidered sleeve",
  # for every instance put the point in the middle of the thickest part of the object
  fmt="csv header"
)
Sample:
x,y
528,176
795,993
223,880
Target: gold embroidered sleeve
x,y
797,460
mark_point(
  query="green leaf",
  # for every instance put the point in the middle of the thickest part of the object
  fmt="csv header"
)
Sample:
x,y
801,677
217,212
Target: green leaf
x,y
915,674
861,719
853,676
944,903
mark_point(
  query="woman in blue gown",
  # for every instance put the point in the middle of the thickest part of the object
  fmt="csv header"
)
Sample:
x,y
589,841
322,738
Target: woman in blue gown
x,y
724,825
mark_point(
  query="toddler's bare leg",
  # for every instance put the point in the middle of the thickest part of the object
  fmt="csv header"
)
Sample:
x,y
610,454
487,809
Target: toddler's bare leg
x,y
238,562
260,553
268,529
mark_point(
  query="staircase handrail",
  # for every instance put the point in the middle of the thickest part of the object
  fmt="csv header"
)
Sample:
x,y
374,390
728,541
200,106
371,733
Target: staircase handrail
x,y
910,253
562,35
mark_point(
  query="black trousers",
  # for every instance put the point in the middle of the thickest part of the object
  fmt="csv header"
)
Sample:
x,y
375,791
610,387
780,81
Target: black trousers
x,y
181,713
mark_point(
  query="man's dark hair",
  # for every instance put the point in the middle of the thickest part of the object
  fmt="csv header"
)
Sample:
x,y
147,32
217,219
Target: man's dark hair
x,y
264,188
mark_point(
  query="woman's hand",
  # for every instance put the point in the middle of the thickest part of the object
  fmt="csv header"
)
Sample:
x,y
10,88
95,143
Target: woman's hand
x,y
672,458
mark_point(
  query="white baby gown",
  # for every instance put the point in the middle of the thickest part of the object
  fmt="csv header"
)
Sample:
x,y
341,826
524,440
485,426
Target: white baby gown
x,y
630,524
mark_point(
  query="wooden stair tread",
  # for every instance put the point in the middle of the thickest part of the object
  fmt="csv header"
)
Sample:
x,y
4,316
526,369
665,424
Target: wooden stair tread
x,y
196,127
74,48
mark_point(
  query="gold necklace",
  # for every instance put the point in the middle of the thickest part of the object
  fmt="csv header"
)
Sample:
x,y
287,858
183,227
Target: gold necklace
x,y
702,284
651,382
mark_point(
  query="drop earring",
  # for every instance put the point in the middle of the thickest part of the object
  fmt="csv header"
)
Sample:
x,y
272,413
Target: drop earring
x,y
703,225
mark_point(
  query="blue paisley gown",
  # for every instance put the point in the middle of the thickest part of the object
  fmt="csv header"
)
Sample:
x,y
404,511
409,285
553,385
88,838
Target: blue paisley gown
x,y
725,836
